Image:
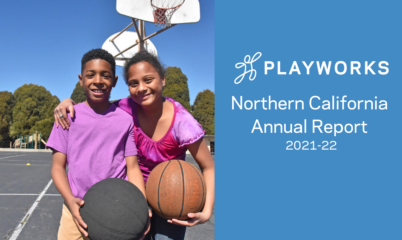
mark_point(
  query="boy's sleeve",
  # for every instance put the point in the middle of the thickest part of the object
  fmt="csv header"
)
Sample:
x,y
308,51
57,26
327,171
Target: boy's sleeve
x,y
58,139
131,149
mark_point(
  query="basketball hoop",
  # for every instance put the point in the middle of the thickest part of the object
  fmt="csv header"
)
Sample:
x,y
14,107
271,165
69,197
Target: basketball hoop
x,y
163,11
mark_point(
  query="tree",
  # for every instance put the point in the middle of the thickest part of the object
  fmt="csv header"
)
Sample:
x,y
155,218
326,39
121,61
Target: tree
x,y
33,111
7,103
176,86
204,110
78,94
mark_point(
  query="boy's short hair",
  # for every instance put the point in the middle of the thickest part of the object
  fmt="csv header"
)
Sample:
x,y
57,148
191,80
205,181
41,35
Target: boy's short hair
x,y
99,54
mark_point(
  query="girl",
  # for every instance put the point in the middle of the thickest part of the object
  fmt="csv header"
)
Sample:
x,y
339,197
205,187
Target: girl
x,y
163,130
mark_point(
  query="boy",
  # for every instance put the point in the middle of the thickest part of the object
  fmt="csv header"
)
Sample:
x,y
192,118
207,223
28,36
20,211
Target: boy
x,y
99,143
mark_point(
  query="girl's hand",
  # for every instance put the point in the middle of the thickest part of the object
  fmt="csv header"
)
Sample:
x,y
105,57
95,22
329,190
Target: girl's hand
x,y
67,105
195,218
74,205
149,225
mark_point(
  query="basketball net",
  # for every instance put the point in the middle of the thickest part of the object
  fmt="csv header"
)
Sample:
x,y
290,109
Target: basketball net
x,y
163,11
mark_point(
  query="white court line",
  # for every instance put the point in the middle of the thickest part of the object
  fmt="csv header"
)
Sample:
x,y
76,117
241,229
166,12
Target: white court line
x,y
24,164
13,156
18,160
21,225
27,194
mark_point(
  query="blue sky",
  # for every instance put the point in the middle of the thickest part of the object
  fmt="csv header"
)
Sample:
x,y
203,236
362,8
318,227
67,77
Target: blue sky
x,y
42,42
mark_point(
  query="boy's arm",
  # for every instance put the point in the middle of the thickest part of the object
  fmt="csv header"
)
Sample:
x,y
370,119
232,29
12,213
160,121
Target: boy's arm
x,y
134,174
60,180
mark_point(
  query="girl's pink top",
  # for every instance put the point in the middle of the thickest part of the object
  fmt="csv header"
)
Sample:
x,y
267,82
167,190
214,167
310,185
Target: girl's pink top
x,y
184,130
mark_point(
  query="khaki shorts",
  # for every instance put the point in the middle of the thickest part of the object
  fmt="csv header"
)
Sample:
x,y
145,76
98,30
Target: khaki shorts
x,y
68,230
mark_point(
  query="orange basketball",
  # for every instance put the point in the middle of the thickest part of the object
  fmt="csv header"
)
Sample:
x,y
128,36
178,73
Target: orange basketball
x,y
176,188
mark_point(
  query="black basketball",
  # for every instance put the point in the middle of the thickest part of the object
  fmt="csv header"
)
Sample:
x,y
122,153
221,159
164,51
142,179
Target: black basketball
x,y
115,209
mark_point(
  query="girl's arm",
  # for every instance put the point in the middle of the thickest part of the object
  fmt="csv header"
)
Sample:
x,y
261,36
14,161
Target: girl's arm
x,y
67,105
60,180
202,156
134,176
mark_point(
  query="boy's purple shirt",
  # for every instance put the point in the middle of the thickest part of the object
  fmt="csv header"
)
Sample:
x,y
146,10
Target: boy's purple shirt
x,y
95,145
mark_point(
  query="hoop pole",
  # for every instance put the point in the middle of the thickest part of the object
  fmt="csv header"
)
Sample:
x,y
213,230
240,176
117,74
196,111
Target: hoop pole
x,y
141,46
140,33
156,33
121,32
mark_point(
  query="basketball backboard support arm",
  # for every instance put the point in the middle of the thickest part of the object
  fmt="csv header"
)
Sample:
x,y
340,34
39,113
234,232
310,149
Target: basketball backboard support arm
x,y
126,42
139,29
125,50
157,32
121,45
121,32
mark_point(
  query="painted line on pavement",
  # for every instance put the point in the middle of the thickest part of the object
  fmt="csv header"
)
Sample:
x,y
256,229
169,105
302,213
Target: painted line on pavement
x,y
20,160
27,194
24,220
13,156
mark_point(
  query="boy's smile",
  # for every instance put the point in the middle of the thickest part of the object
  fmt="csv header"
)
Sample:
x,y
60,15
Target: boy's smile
x,y
98,92
98,80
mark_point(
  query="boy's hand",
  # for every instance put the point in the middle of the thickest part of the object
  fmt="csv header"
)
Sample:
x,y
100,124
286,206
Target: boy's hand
x,y
149,225
74,206
195,218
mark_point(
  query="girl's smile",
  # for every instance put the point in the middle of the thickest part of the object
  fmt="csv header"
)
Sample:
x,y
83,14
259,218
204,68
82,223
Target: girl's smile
x,y
145,97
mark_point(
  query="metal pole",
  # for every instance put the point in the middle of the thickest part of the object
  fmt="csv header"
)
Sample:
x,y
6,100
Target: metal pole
x,y
121,32
36,139
136,27
141,46
139,31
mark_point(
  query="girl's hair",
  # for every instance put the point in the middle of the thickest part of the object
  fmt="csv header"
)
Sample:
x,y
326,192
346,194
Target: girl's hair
x,y
144,56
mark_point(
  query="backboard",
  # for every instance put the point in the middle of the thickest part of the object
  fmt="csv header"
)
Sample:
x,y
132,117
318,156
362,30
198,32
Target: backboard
x,y
188,12
122,42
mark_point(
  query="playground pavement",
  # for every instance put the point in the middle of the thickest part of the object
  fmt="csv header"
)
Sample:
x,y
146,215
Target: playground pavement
x,y
30,205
